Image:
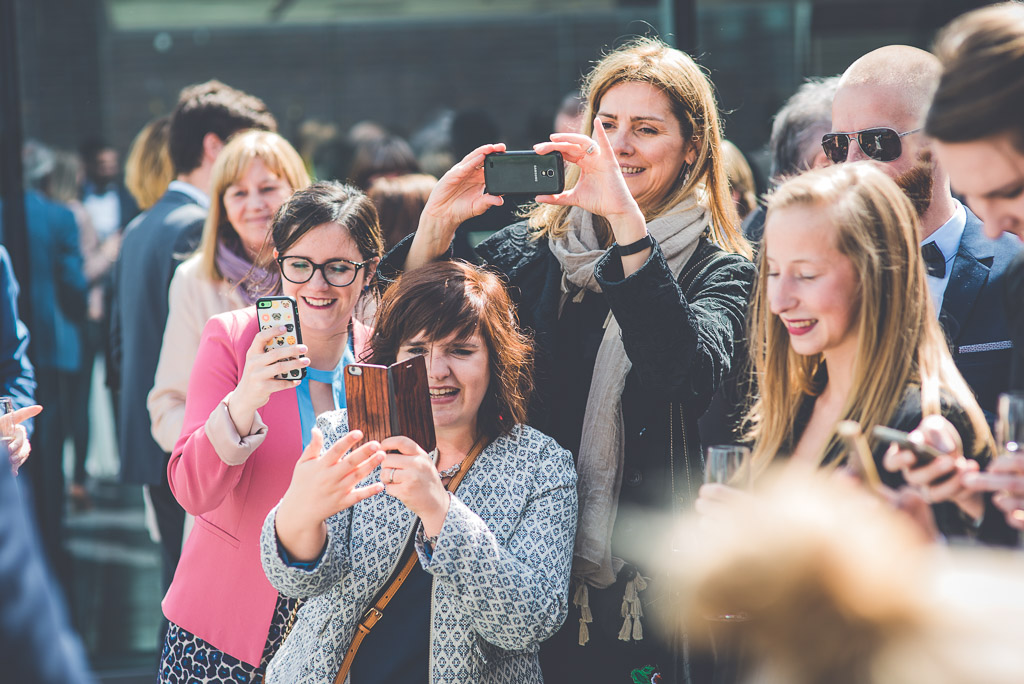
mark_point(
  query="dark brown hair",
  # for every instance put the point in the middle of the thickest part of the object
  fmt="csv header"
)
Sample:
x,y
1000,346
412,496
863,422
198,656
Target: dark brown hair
x,y
981,91
456,298
328,202
211,107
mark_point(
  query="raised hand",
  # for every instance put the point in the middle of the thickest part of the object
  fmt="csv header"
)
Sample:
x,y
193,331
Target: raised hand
x,y
457,197
1005,476
259,379
322,485
601,189
411,477
943,478
19,447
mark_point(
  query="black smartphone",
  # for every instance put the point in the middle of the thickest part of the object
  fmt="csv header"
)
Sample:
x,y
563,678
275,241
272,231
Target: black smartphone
x,y
274,312
524,173
925,454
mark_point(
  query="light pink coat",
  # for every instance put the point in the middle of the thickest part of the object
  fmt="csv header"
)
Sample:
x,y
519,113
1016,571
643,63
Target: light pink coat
x,y
230,483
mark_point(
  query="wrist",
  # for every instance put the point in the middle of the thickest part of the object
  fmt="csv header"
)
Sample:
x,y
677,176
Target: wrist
x,y
628,226
433,520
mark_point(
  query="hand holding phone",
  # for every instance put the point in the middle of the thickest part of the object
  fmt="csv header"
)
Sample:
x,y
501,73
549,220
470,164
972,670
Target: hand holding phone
x,y
277,313
925,454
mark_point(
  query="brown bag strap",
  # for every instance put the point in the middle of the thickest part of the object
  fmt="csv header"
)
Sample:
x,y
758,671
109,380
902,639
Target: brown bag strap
x,y
376,612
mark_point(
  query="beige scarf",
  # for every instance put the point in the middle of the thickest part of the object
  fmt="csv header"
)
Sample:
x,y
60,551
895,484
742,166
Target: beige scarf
x,y
602,448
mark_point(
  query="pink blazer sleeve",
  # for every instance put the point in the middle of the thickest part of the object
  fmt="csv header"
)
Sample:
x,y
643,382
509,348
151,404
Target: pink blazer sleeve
x,y
199,476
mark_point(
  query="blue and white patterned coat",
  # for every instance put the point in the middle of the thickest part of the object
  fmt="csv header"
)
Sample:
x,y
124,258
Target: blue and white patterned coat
x,y
501,567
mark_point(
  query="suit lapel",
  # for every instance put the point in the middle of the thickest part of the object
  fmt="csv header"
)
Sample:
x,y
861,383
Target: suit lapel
x,y
969,274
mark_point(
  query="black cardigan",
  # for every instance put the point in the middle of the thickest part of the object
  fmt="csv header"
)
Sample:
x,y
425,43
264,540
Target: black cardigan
x,y
682,346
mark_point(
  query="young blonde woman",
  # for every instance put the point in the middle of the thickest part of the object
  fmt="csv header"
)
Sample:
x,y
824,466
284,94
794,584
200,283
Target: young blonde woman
x,y
634,282
842,328
254,174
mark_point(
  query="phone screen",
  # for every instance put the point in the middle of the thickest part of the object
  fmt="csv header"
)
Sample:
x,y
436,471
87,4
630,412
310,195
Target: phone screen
x,y
274,312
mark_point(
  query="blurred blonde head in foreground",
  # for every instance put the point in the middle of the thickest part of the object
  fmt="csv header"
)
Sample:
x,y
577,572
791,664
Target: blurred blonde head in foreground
x,y
840,589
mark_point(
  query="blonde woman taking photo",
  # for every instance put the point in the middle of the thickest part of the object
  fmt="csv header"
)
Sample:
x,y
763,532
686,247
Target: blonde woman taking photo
x,y
634,283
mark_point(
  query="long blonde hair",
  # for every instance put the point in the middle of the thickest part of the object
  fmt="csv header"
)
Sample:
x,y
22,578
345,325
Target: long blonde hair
x,y
899,341
692,96
278,155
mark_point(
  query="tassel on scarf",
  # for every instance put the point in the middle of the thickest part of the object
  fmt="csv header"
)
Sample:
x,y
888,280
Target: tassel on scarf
x,y
632,610
581,599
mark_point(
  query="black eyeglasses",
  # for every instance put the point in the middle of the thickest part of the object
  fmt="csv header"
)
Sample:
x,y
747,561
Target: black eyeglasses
x,y
337,272
880,144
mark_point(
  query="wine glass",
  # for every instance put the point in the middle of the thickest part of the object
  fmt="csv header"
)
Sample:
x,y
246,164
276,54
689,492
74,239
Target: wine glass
x,y
1010,423
728,464
7,429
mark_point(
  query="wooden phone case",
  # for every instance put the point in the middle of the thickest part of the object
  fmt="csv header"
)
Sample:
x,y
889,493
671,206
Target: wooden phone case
x,y
391,400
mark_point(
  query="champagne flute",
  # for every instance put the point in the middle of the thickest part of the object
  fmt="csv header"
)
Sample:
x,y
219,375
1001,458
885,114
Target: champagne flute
x,y
1010,423
7,429
728,464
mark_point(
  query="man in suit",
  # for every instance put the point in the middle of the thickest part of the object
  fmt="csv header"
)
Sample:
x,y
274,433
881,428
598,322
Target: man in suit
x,y
206,115
884,96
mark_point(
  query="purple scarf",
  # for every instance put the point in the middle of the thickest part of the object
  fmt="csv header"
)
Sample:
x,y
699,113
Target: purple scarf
x,y
251,281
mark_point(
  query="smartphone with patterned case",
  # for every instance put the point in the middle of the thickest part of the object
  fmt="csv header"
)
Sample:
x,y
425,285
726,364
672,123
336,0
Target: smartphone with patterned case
x,y
274,312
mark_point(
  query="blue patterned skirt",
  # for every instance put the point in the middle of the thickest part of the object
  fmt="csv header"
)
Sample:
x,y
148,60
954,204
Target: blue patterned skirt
x,y
187,659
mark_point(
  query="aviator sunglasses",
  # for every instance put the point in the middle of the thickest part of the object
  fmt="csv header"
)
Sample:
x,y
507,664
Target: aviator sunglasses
x,y
880,144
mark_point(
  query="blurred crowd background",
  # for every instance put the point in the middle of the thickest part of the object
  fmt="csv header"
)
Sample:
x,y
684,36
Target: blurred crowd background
x,y
364,89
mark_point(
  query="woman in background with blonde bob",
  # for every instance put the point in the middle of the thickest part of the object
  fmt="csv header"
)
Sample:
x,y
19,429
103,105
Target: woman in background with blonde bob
x,y
843,329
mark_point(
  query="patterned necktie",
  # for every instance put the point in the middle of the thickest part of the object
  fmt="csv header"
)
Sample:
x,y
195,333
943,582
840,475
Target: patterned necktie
x,y
934,260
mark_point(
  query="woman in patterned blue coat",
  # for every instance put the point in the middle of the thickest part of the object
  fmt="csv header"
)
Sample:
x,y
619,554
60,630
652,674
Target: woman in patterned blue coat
x,y
493,574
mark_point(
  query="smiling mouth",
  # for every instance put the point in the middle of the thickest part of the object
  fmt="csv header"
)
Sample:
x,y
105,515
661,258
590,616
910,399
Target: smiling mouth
x,y
318,303
443,392
631,170
799,327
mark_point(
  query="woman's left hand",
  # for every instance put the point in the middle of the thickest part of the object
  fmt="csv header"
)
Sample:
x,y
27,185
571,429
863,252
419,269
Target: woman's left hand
x,y
411,477
601,189
19,447
939,433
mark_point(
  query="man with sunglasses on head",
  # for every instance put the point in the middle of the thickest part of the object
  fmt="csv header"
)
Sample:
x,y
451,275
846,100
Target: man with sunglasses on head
x,y
878,114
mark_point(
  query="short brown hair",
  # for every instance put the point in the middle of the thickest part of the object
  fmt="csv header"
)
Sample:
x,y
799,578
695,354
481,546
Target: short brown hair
x,y
211,107
981,91
454,297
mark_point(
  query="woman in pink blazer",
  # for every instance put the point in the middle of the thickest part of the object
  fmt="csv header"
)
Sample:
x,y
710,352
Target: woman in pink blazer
x,y
245,428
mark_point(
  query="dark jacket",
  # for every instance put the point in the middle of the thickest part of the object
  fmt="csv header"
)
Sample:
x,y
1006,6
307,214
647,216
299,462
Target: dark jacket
x,y
1013,298
152,246
972,314
17,377
57,289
